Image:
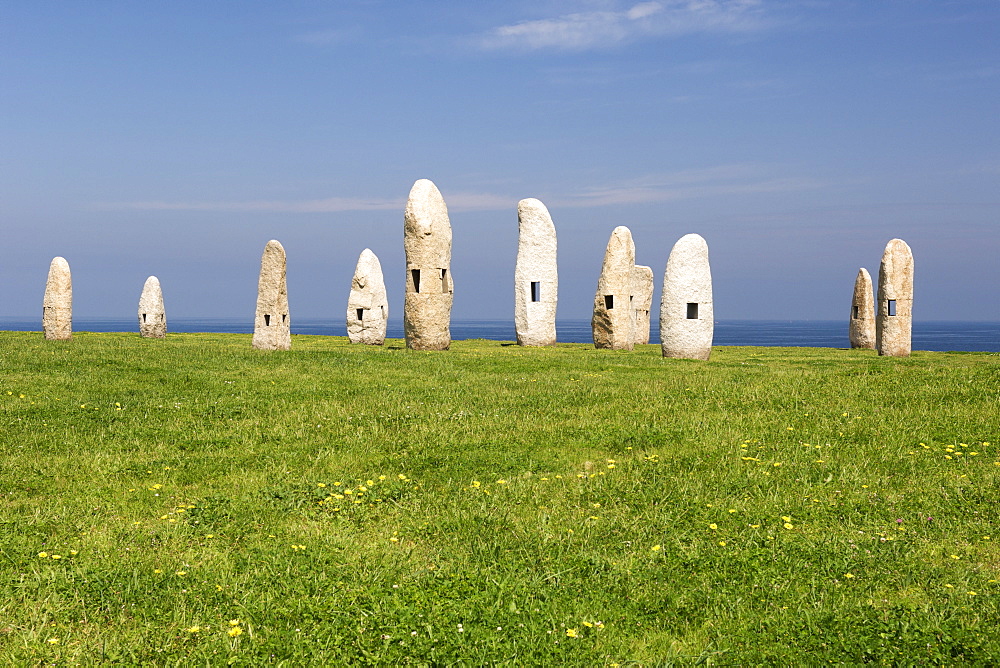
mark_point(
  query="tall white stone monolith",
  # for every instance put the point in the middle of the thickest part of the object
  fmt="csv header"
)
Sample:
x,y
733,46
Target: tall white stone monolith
x,y
687,318
614,318
429,287
894,319
152,315
57,304
272,324
862,329
367,305
642,302
536,278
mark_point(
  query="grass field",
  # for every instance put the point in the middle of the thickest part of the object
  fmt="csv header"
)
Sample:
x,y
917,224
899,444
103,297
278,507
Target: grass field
x,y
193,501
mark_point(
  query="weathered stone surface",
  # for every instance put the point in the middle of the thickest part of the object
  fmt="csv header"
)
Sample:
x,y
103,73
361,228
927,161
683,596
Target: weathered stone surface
x,y
57,304
367,306
536,279
152,316
687,318
862,329
894,320
642,302
429,288
272,324
614,318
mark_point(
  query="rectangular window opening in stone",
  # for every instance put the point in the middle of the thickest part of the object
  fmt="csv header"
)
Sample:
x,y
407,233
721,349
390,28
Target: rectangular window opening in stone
x,y
536,291
361,314
415,273
284,317
692,311
609,302
144,317
892,307
267,320
444,281
854,312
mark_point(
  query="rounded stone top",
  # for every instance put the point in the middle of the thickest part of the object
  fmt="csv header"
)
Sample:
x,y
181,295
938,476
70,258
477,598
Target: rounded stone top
x,y
534,218
59,262
691,241
530,203
898,246
425,208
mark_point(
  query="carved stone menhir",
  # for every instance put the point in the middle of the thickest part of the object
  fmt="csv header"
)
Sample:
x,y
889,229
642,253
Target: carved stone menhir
x,y
272,326
894,322
862,329
57,304
536,279
687,321
152,316
614,317
367,306
429,288
642,301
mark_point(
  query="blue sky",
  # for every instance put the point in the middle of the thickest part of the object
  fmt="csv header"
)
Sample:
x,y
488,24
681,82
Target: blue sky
x,y
797,136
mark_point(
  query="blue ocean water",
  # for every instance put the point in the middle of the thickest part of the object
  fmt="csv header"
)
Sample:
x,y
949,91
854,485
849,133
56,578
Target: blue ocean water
x,y
927,335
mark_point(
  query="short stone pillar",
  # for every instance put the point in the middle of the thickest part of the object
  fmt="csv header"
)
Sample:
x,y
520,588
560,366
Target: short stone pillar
x,y
57,304
862,328
367,305
894,319
613,322
429,287
536,278
272,327
642,302
687,318
152,316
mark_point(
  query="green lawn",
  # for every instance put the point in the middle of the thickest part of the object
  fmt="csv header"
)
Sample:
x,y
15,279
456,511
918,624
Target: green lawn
x,y
193,501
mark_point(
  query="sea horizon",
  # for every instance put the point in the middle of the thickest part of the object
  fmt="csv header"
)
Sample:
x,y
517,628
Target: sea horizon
x,y
931,335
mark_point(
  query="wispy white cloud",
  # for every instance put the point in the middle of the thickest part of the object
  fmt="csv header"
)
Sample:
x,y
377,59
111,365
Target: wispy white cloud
x,y
327,205
687,184
459,201
595,29
680,185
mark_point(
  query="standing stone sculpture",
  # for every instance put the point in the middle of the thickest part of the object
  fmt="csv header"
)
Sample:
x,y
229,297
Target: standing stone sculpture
x,y
57,304
367,306
614,318
894,321
429,288
152,316
536,279
642,289
272,326
687,320
862,329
